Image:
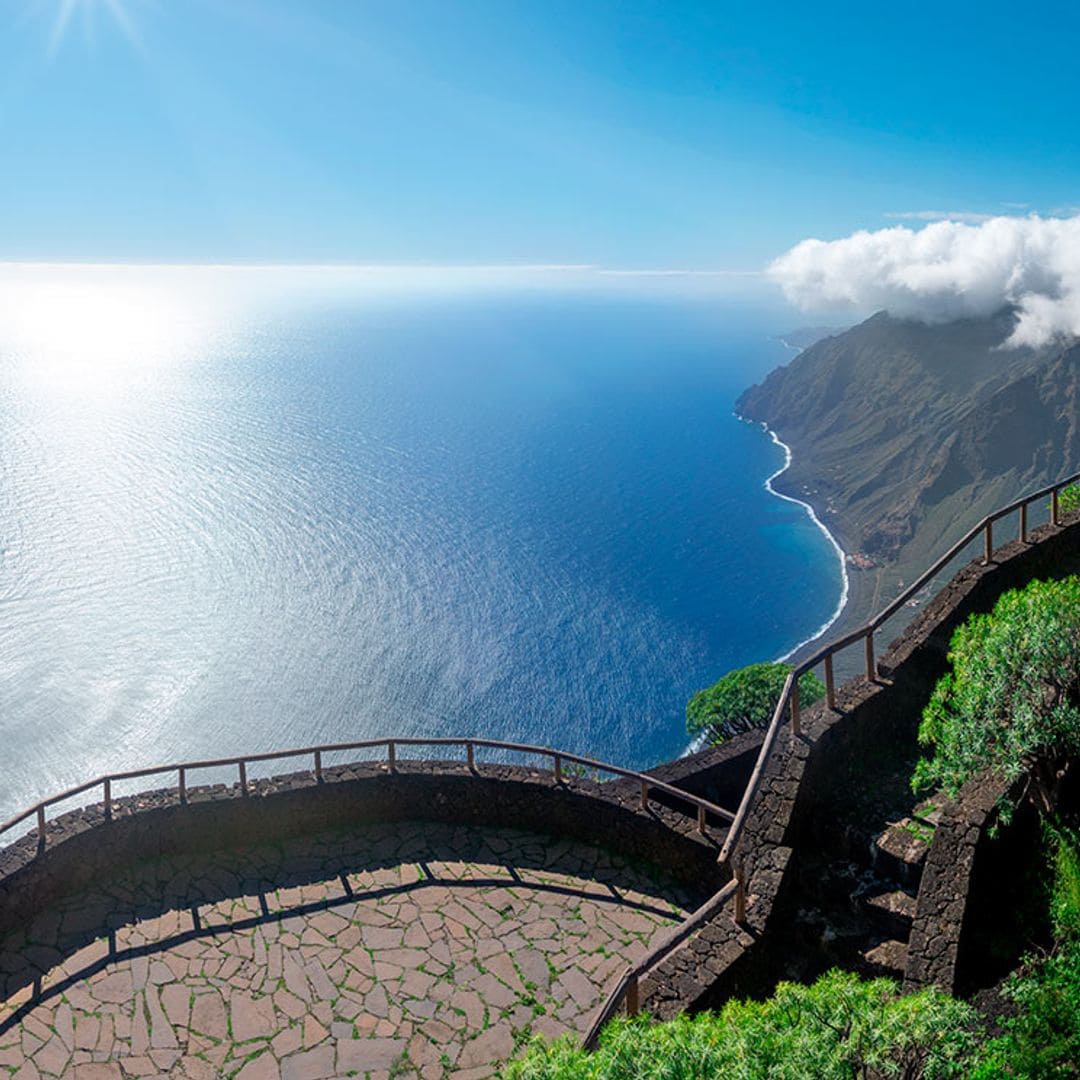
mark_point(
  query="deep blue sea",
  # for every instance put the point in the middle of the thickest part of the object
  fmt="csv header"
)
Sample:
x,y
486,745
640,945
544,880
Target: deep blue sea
x,y
532,517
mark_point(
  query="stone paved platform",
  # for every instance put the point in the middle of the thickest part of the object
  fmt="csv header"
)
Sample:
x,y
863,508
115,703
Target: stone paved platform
x,y
399,950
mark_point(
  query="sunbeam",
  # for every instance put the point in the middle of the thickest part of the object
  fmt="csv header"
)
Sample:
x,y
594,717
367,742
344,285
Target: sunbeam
x,y
90,13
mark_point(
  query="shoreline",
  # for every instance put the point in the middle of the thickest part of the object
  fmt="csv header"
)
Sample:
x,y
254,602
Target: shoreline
x,y
845,591
845,588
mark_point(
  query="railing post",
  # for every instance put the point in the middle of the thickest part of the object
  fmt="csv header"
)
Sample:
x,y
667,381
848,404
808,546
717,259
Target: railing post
x,y
988,548
41,826
633,997
740,893
830,683
1055,507
391,754
1023,523
318,766
701,819
644,794
794,699
243,777
470,755
107,785
558,768
871,666
182,783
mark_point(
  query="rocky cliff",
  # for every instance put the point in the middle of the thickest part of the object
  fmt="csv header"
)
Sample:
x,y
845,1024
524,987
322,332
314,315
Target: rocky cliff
x,y
904,434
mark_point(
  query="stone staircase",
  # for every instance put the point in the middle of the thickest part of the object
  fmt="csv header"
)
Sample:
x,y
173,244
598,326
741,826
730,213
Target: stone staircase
x,y
858,885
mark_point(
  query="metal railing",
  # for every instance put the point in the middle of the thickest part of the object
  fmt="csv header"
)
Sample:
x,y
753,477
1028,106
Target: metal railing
x,y
627,988
700,807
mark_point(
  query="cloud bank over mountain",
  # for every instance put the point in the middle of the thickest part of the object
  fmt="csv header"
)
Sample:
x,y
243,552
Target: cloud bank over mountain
x,y
947,270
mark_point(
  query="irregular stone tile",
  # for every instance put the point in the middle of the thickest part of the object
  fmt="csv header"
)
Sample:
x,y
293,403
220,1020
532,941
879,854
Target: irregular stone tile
x,y
264,1067
252,1018
309,1064
368,1055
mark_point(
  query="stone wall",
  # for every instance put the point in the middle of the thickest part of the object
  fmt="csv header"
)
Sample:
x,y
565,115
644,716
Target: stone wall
x,y
791,812
83,845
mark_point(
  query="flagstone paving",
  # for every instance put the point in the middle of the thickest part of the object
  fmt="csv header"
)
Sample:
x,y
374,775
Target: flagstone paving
x,y
398,950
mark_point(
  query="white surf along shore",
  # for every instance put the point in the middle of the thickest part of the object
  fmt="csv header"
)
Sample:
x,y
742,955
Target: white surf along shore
x,y
812,514
700,742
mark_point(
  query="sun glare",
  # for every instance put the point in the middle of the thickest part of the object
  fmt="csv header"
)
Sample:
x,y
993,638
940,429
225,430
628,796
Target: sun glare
x,y
92,334
88,13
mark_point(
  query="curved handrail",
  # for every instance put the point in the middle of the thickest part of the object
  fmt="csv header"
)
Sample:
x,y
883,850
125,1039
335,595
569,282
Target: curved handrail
x,y
627,987
702,807
628,984
789,697
789,700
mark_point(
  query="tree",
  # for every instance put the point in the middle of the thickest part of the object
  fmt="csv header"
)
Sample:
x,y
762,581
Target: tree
x,y
840,1028
1011,703
745,699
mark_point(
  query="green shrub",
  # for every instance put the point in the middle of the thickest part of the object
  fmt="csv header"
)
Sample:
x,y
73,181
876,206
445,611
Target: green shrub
x,y
745,699
1043,1039
1010,703
1069,498
840,1028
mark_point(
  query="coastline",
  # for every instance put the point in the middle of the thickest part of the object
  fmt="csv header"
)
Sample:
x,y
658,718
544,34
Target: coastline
x,y
845,592
845,589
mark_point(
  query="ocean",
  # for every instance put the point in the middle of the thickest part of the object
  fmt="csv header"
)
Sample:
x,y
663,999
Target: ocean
x,y
525,515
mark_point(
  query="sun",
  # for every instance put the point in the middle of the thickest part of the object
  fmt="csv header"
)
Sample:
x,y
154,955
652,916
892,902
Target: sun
x,y
88,13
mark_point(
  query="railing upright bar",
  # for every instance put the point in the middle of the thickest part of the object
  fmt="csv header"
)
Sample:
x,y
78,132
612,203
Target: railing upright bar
x,y
1023,523
871,664
243,777
644,794
740,894
41,825
558,767
470,756
1055,507
106,785
795,709
318,766
181,783
988,549
830,682
633,996
391,754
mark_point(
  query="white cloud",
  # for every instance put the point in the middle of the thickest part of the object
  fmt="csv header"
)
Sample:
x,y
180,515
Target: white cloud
x,y
947,270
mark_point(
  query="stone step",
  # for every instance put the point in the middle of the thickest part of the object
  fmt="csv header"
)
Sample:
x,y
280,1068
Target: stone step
x,y
900,851
886,958
892,911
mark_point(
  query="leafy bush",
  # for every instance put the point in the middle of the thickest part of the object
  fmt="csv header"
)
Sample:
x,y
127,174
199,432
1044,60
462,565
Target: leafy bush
x,y
1069,498
1043,1039
745,699
840,1028
1012,701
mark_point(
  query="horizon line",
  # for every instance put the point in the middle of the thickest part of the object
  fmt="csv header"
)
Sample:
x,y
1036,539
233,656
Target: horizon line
x,y
487,267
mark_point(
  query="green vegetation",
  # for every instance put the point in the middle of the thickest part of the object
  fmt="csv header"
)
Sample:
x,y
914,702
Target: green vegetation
x,y
1069,498
1012,701
1043,1039
745,699
840,1028
1011,705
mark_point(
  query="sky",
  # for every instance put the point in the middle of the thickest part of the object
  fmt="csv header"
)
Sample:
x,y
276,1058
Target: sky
x,y
625,134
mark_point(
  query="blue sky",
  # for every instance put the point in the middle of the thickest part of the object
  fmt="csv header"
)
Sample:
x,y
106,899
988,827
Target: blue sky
x,y
623,133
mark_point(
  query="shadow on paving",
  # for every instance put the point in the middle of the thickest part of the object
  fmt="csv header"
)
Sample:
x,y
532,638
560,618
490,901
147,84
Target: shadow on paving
x,y
225,892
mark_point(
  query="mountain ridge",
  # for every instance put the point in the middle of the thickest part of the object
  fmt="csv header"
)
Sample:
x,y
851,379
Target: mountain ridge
x,y
904,434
